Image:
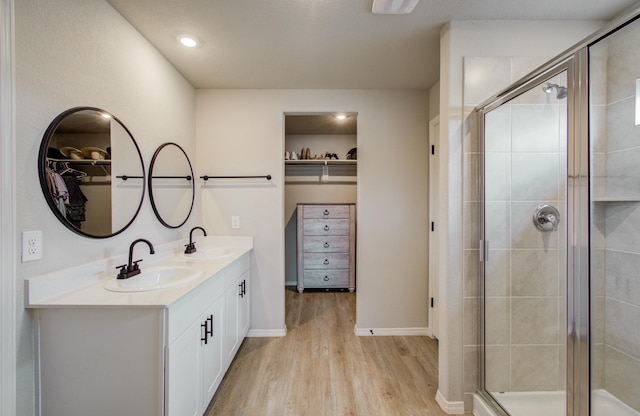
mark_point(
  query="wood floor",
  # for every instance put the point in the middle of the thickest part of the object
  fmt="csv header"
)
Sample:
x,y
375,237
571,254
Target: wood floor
x,y
321,368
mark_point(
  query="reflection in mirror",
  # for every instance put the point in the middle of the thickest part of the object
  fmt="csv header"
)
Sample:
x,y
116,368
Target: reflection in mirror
x,y
84,153
171,185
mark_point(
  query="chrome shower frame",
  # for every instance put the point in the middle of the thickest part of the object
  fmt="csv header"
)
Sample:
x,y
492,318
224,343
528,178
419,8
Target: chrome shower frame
x,y
575,62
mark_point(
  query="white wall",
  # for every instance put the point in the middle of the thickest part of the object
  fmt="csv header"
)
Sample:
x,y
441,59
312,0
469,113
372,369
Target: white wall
x,y
461,39
241,132
71,53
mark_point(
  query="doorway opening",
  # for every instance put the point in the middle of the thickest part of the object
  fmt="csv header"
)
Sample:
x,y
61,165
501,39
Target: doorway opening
x,y
320,164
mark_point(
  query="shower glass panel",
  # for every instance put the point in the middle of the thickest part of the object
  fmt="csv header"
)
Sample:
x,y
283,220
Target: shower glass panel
x,y
614,142
525,271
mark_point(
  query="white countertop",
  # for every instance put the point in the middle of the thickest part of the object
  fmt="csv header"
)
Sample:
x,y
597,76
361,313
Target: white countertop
x,y
83,286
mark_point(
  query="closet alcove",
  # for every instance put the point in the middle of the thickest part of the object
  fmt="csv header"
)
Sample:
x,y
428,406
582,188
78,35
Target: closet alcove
x,y
328,178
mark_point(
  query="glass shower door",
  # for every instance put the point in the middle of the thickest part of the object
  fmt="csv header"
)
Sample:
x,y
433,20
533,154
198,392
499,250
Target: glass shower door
x,y
524,286
614,125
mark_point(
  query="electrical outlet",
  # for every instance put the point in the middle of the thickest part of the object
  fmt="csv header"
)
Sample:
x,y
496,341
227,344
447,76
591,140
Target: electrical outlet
x,y
31,245
235,222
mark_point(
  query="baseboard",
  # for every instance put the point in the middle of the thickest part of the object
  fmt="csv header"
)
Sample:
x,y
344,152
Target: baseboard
x,y
267,333
387,332
450,408
291,283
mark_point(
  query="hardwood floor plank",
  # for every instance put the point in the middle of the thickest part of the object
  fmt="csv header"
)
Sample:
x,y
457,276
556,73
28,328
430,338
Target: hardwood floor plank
x,y
322,369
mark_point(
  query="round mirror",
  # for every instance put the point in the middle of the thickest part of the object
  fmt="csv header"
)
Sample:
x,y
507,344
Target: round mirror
x,y
91,172
171,185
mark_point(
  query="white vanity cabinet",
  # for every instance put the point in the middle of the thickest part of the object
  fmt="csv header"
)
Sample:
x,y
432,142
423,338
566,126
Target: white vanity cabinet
x,y
142,359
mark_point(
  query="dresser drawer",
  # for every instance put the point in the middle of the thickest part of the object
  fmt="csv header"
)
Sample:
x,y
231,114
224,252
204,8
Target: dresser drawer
x,y
326,261
325,227
315,278
329,244
326,211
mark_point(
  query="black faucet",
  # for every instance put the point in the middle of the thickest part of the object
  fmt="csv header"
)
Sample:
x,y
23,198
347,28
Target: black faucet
x,y
132,269
191,247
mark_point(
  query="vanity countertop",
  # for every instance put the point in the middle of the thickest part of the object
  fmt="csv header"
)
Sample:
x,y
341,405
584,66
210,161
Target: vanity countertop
x,y
83,287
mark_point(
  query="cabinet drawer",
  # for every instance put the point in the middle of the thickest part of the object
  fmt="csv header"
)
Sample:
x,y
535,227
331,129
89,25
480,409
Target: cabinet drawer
x,y
313,278
326,227
326,261
326,211
329,244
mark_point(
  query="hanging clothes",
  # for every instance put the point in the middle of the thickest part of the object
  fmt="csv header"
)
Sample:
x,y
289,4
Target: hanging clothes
x,y
75,205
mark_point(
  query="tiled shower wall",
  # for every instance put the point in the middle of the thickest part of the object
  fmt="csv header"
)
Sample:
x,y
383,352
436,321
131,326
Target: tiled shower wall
x,y
615,233
525,289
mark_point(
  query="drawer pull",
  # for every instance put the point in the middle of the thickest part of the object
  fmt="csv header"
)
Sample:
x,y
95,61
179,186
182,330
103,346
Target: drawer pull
x,y
326,228
326,278
326,245
326,212
210,329
206,332
326,261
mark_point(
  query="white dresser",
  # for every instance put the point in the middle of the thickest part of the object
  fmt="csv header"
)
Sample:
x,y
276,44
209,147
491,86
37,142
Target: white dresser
x,y
326,246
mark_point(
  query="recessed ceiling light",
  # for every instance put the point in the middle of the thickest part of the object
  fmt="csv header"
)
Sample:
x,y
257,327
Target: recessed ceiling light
x,y
341,116
188,41
393,6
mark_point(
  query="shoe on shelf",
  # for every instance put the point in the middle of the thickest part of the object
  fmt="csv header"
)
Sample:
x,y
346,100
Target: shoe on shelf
x,y
286,156
294,156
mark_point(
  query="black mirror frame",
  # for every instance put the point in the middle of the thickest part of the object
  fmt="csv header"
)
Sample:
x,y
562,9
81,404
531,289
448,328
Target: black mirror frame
x,y
150,185
42,163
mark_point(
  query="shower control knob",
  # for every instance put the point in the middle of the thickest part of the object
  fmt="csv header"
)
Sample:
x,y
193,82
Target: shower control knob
x,y
546,218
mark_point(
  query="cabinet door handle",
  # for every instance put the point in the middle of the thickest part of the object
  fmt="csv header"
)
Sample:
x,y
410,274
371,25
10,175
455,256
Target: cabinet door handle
x,y
326,228
326,278
326,212
326,245
241,290
204,338
244,287
210,321
326,261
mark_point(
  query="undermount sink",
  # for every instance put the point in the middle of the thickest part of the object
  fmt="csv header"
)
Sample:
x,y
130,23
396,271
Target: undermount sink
x,y
208,253
154,278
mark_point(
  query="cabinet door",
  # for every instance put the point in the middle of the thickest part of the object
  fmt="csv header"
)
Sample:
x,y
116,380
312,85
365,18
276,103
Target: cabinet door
x,y
243,310
183,373
213,358
232,302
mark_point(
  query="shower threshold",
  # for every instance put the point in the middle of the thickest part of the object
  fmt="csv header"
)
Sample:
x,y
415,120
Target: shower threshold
x,y
551,403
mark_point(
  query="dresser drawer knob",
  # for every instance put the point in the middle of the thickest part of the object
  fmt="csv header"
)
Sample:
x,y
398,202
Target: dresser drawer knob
x,y
326,212
326,245
326,261
326,228
326,278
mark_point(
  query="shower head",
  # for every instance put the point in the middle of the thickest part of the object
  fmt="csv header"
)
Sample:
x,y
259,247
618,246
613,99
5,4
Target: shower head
x,y
561,92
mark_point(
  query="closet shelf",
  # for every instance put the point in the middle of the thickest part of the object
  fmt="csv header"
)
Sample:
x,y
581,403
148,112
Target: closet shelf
x,y
82,161
321,162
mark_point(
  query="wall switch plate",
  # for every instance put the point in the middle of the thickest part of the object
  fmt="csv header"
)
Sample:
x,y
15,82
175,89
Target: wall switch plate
x,y
31,245
235,222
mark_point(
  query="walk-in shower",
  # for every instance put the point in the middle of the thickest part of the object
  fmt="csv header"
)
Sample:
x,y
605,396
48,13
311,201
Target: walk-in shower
x,y
559,272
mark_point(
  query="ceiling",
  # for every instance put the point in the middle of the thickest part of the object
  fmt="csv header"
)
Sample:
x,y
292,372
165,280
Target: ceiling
x,y
324,43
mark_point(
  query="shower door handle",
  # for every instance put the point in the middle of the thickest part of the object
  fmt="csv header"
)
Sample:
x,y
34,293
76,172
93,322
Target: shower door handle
x,y
546,218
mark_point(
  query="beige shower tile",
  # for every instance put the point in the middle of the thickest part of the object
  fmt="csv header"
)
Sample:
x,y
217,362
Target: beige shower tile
x,y
497,224
470,272
598,128
470,183
622,282
497,368
534,368
534,272
623,226
622,134
497,321
597,319
535,128
622,66
534,176
498,129
598,273
497,182
497,273
622,330
470,368
623,173
471,226
622,377
597,366
470,327
534,321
